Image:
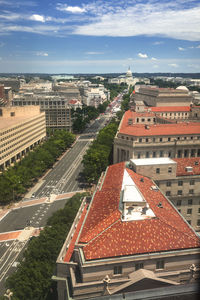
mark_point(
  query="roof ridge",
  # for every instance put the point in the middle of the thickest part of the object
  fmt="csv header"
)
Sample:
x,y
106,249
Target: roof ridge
x,y
102,231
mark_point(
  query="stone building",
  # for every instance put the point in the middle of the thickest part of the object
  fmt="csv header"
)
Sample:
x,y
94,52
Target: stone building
x,y
178,179
56,108
127,238
21,128
154,96
140,136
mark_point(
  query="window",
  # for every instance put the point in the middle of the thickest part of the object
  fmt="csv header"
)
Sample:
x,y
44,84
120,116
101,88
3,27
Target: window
x,y
147,140
169,169
192,182
169,154
193,153
117,270
160,139
179,210
168,193
189,211
180,183
199,210
180,192
169,139
1,114
191,191
161,153
168,183
139,266
178,202
143,120
140,140
189,201
198,222
157,170
154,154
160,264
12,114
147,154
138,155
189,222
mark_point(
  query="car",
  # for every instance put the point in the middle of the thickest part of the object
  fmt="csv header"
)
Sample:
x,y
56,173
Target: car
x,y
33,195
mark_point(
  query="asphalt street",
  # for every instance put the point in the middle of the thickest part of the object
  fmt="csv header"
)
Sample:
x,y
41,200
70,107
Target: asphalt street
x,y
63,177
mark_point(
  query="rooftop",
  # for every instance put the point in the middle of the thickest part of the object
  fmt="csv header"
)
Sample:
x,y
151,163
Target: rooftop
x,y
157,129
184,163
152,161
169,108
106,234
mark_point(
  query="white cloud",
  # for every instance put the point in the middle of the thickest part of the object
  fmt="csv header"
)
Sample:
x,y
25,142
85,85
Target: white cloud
x,y
38,18
158,43
94,52
71,9
153,58
152,18
181,49
198,46
42,53
141,55
173,65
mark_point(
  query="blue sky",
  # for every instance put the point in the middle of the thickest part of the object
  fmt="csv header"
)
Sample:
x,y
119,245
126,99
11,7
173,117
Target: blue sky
x,y
99,36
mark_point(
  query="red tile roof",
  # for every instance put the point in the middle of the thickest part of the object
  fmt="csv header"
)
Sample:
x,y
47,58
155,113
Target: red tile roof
x,y
105,235
170,109
157,129
75,235
182,163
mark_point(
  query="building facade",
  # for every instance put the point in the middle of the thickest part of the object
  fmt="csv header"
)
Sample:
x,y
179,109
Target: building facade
x,y
127,238
178,179
56,108
154,96
21,128
137,137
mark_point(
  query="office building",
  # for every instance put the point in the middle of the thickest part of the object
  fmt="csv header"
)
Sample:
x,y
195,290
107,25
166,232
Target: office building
x,y
21,128
141,136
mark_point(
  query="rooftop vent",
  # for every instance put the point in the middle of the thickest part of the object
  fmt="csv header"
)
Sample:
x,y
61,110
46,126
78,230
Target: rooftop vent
x,y
160,205
147,127
189,169
144,210
142,179
196,163
154,188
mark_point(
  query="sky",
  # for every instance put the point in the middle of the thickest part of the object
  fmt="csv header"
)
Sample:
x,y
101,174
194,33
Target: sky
x,y
99,36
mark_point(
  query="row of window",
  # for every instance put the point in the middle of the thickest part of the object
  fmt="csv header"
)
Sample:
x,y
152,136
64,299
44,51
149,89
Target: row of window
x,y
32,127
180,182
198,222
180,192
159,265
168,139
180,153
18,127
24,144
189,211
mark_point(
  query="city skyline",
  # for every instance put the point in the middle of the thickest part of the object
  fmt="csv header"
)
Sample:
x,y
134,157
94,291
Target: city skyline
x,y
81,36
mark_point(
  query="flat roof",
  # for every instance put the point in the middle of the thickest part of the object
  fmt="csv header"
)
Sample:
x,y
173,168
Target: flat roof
x,y
152,161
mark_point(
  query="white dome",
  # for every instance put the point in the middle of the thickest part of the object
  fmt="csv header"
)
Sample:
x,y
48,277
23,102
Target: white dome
x,y
182,87
129,73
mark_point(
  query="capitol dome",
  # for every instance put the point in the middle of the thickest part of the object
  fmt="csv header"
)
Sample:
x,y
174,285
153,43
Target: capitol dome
x,y
182,87
129,73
